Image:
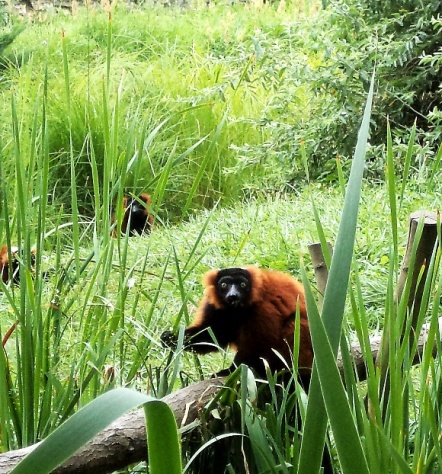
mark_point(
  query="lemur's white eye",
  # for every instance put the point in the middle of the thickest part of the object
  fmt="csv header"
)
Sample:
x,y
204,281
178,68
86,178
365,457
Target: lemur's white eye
x,y
243,284
223,285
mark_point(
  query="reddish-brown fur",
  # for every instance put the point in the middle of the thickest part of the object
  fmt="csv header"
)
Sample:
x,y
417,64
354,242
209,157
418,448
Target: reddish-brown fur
x,y
136,227
275,298
7,270
259,325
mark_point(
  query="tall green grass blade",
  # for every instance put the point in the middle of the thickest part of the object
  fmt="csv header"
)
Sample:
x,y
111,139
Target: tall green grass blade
x,y
74,201
321,234
208,158
407,163
90,372
429,393
251,424
436,166
391,185
341,177
103,225
184,299
160,188
187,267
109,50
243,74
9,422
334,299
176,162
402,465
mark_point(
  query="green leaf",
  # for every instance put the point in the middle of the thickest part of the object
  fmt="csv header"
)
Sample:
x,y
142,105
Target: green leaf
x,y
162,439
82,427
334,299
345,434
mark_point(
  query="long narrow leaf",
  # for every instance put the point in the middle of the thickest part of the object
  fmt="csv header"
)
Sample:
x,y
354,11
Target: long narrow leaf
x,y
334,299
348,444
164,452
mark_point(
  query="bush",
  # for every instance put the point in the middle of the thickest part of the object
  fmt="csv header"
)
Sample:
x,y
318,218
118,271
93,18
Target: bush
x,y
348,39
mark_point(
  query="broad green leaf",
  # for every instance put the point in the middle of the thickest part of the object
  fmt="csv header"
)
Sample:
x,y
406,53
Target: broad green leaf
x,y
83,426
162,439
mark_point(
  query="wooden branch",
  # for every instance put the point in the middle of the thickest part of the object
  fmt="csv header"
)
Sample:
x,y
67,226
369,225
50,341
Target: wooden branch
x,y
124,442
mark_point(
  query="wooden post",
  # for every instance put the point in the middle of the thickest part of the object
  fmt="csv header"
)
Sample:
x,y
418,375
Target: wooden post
x,y
320,267
424,252
418,272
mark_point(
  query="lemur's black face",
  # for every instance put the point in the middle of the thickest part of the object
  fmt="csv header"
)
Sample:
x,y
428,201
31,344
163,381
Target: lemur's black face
x,y
135,208
233,287
136,216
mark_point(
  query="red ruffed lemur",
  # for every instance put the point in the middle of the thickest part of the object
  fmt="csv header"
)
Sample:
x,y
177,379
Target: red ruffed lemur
x,y
137,219
253,311
9,270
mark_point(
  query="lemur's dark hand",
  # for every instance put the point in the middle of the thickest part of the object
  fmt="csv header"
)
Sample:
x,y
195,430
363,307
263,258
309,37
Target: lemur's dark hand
x,y
169,339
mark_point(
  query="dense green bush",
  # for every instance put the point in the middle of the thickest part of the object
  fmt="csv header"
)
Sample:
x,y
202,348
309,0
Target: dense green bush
x,y
403,40
119,92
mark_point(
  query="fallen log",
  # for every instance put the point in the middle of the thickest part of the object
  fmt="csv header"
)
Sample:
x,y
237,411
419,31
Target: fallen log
x,y
124,442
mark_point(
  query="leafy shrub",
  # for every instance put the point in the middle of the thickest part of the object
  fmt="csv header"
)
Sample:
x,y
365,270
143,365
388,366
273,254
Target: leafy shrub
x,y
333,60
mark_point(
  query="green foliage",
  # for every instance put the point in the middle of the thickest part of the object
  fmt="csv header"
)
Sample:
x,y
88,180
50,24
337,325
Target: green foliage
x,y
163,446
7,38
203,108
8,33
402,39
408,43
162,439
255,88
259,420
320,90
170,102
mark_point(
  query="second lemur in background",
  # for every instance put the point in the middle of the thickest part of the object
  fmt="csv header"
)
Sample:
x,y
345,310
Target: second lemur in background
x,y
137,219
253,311
10,269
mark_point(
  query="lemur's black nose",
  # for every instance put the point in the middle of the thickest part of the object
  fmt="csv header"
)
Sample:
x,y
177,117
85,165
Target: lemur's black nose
x,y
233,297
